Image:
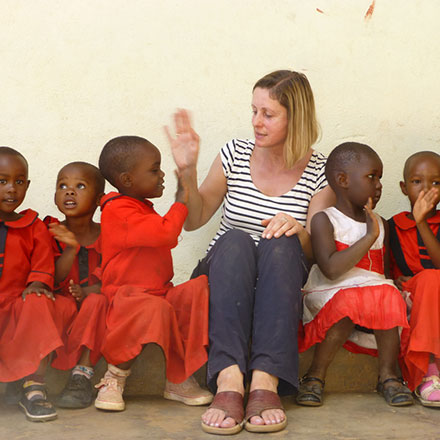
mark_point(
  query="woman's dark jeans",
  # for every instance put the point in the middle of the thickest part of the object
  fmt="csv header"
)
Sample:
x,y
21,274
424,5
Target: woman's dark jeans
x,y
255,302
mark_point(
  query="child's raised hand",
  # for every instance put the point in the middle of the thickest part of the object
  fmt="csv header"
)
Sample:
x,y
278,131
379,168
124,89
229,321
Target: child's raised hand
x,y
185,144
372,222
76,291
425,203
37,288
182,193
61,233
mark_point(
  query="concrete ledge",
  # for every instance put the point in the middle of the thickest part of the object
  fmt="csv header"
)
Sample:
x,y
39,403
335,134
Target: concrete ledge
x,y
348,373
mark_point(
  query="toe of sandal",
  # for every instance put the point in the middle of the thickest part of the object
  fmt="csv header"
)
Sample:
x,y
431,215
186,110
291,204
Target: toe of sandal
x,y
231,403
395,395
425,396
259,401
310,394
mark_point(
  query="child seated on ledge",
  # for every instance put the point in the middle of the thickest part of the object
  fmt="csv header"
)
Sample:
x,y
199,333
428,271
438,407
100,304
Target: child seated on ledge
x,y
30,327
347,288
144,306
415,246
77,248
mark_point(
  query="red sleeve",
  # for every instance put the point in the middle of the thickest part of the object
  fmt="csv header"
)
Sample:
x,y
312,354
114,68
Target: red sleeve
x,y
134,226
42,259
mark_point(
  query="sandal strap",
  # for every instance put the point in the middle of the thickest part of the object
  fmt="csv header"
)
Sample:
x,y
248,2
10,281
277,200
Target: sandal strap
x,y
35,387
262,400
231,403
306,379
394,379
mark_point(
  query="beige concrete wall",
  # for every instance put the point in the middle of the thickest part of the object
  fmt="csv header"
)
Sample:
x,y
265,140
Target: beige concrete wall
x,y
75,73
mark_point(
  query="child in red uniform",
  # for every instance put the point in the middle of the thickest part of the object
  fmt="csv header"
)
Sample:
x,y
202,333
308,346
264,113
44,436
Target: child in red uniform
x,y
347,289
29,326
144,306
77,247
415,245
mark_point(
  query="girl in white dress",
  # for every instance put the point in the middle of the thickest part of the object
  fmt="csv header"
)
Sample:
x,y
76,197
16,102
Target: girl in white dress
x,y
347,298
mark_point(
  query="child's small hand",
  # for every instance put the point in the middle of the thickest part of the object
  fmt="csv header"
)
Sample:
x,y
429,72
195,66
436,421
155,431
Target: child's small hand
x,y
76,291
425,203
182,193
400,280
372,223
61,233
37,288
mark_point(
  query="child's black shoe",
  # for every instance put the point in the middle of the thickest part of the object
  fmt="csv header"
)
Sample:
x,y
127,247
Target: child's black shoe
x,y
78,393
38,408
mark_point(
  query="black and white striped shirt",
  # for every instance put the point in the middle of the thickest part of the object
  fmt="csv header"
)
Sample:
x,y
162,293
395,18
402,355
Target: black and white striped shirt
x,y
245,205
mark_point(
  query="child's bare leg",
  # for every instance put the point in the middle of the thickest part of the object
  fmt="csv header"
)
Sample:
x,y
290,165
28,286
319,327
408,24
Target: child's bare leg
x,y
394,392
388,343
325,351
310,391
85,358
229,379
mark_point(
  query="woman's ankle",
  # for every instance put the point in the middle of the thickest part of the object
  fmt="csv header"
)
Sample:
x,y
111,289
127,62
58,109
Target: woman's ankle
x,y
230,379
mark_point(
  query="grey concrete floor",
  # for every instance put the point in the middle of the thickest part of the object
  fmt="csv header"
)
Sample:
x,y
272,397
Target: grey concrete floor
x,y
344,416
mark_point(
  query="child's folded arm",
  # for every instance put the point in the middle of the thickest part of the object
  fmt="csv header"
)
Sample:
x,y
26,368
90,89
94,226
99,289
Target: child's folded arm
x,y
334,263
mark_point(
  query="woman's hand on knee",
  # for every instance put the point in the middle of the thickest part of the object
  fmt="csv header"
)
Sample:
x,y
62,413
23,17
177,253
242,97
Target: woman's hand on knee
x,y
281,224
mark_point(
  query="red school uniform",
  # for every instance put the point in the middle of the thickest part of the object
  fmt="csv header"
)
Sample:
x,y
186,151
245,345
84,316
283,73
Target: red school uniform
x,y
30,329
144,306
86,329
409,257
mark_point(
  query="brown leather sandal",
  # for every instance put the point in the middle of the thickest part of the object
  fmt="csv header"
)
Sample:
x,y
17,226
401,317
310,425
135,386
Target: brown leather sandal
x,y
231,403
259,401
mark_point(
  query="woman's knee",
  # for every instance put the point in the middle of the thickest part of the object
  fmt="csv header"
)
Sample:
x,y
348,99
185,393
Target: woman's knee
x,y
233,246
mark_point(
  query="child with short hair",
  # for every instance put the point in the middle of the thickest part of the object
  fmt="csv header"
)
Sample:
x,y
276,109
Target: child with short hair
x,y
137,268
347,289
29,325
77,248
415,264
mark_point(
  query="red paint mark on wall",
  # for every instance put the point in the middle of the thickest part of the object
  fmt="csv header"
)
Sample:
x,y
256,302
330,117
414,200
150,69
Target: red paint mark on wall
x,y
320,11
370,10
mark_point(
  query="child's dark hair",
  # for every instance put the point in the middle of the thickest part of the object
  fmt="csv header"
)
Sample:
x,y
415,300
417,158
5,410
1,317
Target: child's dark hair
x,y
97,176
119,156
415,156
12,152
344,155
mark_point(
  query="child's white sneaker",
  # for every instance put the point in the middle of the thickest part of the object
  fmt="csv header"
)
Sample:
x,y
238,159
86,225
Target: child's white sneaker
x,y
188,392
111,388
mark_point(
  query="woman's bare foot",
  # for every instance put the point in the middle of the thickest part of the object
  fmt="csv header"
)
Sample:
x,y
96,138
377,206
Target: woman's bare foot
x,y
265,381
229,379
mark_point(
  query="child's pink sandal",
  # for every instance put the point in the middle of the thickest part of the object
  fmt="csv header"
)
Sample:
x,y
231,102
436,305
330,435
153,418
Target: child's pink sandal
x,y
430,393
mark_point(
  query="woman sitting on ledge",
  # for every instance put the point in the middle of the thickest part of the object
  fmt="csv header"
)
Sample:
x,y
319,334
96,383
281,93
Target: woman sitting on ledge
x,y
257,262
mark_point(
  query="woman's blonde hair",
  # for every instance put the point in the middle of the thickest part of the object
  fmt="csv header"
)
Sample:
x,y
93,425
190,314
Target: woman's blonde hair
x,y
292,90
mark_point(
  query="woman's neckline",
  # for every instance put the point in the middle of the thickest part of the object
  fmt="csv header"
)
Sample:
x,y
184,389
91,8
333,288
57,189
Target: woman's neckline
x,y
309,156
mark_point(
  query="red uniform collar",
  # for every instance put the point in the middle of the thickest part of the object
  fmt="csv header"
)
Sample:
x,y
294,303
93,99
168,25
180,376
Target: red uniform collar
x,y
28,217
115,195
403,222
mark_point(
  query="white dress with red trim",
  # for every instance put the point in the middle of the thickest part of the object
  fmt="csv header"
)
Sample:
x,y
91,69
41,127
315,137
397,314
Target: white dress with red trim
x,y
362,294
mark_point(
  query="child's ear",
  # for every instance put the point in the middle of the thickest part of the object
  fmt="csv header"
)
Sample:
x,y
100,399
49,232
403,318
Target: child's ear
x,y
125,179
27,184
403,187
342,179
